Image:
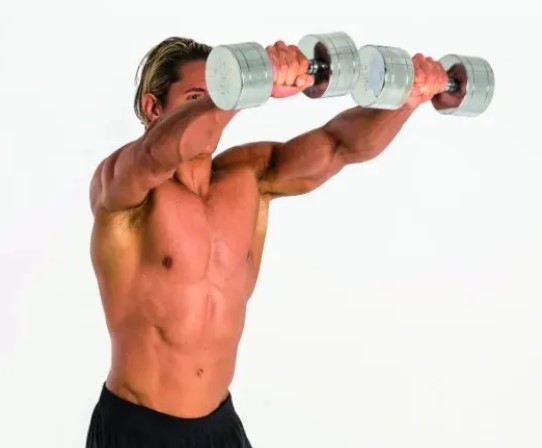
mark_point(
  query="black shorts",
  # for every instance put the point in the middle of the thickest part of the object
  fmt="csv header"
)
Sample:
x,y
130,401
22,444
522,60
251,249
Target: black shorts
x,y
117,423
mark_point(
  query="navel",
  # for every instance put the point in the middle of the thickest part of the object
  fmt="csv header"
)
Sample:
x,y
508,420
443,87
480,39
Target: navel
x,y
167,262
199,373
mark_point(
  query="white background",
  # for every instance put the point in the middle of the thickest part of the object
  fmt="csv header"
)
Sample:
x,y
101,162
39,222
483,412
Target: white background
x,y
399,305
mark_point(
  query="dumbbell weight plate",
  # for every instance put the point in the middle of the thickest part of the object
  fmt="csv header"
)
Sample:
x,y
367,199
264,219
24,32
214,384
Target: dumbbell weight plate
x,y
239,76
338,51
476,86
386,77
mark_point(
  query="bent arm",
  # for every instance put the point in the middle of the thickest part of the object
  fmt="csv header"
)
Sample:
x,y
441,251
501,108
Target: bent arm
x,y
124,178
305,162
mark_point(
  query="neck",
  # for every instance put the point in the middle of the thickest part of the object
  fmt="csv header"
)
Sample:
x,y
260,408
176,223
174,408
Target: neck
x,y
196,174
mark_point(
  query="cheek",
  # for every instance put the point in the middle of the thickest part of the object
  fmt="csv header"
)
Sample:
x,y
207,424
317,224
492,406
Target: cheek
x,y
173,104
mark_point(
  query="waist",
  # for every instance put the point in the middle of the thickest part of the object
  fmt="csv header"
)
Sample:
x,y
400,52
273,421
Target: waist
x,y
123,413
174,381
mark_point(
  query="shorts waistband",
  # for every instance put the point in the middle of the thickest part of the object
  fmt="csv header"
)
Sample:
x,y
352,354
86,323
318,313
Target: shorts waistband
x,y
146,419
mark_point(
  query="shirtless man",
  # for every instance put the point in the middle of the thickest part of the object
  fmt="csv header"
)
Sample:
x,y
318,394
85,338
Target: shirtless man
x,y
178,239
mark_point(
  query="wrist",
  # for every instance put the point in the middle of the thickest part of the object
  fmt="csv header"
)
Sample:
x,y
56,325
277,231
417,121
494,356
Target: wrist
x,y
411,105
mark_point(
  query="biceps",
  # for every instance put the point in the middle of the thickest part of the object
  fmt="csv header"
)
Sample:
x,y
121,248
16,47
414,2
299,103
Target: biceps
x,y
302,165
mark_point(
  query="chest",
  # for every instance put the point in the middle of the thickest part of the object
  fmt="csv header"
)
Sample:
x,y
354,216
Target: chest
x,y
196,237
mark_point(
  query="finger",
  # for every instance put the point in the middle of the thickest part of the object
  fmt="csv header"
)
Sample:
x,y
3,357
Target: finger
x,y
432,65
428,69
420,77
281,67
281,47
304,81
426,66
431,76
417,63
438,76
302,60
270,50
285,66
272,53
293,66
436,68
275,62
417,59
440,65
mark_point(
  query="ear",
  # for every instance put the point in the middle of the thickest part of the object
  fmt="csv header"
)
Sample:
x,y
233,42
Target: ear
x,y
151,107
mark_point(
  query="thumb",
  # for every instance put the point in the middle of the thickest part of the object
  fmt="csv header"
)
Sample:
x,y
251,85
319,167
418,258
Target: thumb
x,y
304,81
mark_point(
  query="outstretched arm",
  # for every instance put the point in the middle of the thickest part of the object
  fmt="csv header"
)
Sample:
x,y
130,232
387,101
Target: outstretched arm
x,y
353,136
305,162
124,178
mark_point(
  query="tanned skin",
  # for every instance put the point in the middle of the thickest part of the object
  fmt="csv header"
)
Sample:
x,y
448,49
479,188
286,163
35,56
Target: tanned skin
x,y
178,234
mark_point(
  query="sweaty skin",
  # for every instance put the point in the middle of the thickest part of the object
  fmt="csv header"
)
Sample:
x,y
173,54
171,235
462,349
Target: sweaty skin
x,y
178,234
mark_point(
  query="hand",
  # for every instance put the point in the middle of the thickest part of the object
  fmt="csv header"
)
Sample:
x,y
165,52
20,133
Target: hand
x,y
430,79
289,70
452,100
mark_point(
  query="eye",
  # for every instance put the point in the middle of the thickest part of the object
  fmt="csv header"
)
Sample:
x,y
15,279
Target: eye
x,y
193,97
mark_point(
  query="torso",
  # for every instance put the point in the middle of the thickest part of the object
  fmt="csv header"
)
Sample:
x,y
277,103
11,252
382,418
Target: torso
x,y
175,277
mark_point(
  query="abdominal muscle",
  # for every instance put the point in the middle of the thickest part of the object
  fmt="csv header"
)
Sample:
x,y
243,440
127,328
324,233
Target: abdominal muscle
x,y
176,352
174,285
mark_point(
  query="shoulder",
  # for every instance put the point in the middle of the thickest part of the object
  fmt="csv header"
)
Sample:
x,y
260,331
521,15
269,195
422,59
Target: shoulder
x,y
254,156
102,174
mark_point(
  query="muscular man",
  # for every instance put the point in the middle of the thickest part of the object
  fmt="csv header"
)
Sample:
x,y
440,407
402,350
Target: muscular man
x,y
178,239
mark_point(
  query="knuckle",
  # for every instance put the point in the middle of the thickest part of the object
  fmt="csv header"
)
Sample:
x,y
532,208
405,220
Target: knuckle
x,y
292,49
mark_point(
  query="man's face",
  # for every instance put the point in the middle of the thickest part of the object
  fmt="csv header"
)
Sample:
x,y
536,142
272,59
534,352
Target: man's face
x,y
190,87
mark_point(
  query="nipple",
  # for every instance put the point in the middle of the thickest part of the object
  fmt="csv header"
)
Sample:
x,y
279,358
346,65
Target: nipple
x,y
167,262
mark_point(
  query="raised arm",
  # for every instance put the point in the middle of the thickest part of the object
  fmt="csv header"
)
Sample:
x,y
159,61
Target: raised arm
x,y
125,177
353,136
305,162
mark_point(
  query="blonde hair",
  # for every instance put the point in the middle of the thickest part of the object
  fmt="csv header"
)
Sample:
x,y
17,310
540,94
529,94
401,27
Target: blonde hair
x,y
159,68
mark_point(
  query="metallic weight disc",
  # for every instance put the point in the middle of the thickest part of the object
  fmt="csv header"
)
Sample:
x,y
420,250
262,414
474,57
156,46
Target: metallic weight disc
x,y
479,85
386,77
239,76
337,50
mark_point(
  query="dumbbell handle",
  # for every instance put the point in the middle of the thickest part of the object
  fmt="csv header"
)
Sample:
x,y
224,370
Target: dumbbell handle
x,y
453,86
315,66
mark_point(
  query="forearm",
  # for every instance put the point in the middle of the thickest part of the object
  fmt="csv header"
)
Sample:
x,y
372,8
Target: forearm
x,y
192,129
125,177
362,134
306,161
